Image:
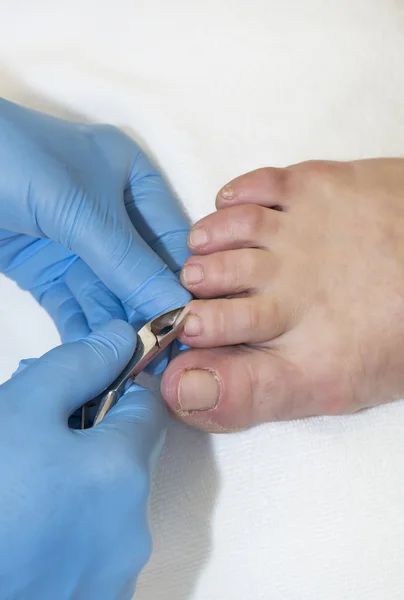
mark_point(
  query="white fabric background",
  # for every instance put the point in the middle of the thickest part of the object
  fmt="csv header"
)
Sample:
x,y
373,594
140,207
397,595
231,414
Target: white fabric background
x,y
311,510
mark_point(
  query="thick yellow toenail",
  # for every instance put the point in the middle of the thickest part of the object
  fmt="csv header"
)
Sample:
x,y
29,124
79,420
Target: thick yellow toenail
x,y
227,192
192,274
198,237
198,390
193,325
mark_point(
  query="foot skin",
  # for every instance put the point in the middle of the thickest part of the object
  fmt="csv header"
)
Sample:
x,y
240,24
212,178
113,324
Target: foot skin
x,y
300,280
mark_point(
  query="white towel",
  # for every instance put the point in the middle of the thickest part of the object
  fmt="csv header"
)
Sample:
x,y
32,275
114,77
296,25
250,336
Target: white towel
x,y
310,510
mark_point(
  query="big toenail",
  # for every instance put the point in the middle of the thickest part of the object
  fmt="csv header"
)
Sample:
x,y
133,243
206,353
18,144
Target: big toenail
x,y
192,273
193,325
227,192
198,390
198,237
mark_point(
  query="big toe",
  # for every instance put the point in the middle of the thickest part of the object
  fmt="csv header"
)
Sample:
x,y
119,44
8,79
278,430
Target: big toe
x,y
232,388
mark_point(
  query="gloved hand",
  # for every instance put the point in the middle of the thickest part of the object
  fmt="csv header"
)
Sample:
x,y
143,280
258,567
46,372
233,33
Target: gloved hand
x,y
88,225
73,504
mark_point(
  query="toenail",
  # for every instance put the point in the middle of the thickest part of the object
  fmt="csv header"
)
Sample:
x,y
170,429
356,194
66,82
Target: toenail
x,y
193,325
198,390
227,192
192,273
198,237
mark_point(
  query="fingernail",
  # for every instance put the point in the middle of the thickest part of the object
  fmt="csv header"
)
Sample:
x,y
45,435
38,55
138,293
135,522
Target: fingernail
x,y
198,390
192,273
227,192
192,325
198,237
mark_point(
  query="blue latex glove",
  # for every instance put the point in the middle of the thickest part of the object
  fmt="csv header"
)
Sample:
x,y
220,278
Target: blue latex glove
x,y
88,225
73,504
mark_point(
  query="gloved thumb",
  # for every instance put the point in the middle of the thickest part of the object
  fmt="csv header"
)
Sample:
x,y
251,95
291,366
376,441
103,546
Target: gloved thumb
x,y
131,228
72,374
139,420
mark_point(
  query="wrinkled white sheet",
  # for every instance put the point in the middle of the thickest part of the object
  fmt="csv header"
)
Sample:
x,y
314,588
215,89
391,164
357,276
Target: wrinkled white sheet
x,y
311,510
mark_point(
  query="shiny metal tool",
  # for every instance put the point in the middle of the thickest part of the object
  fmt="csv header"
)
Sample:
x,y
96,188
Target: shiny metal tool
x,y
156,335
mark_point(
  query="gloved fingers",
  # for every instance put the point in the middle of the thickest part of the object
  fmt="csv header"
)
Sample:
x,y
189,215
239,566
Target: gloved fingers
x,y
126,264
39,265
26,362
161,222
33,262
65,311
98,303
156,214
138,421
72,374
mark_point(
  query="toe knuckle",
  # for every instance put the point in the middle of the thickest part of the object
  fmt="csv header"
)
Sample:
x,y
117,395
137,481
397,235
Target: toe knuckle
x,y
320,173
236,269
227,318
253,316
219,271
232,274
274,392
250,220
223,268
248,266
216,316
280,181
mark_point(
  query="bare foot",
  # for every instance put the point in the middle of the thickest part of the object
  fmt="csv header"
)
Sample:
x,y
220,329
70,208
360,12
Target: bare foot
x,y
315,321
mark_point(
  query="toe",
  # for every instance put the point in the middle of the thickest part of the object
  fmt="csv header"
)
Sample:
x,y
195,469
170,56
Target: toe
x,y
245,226
228,273
268,187
228,321
233,388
